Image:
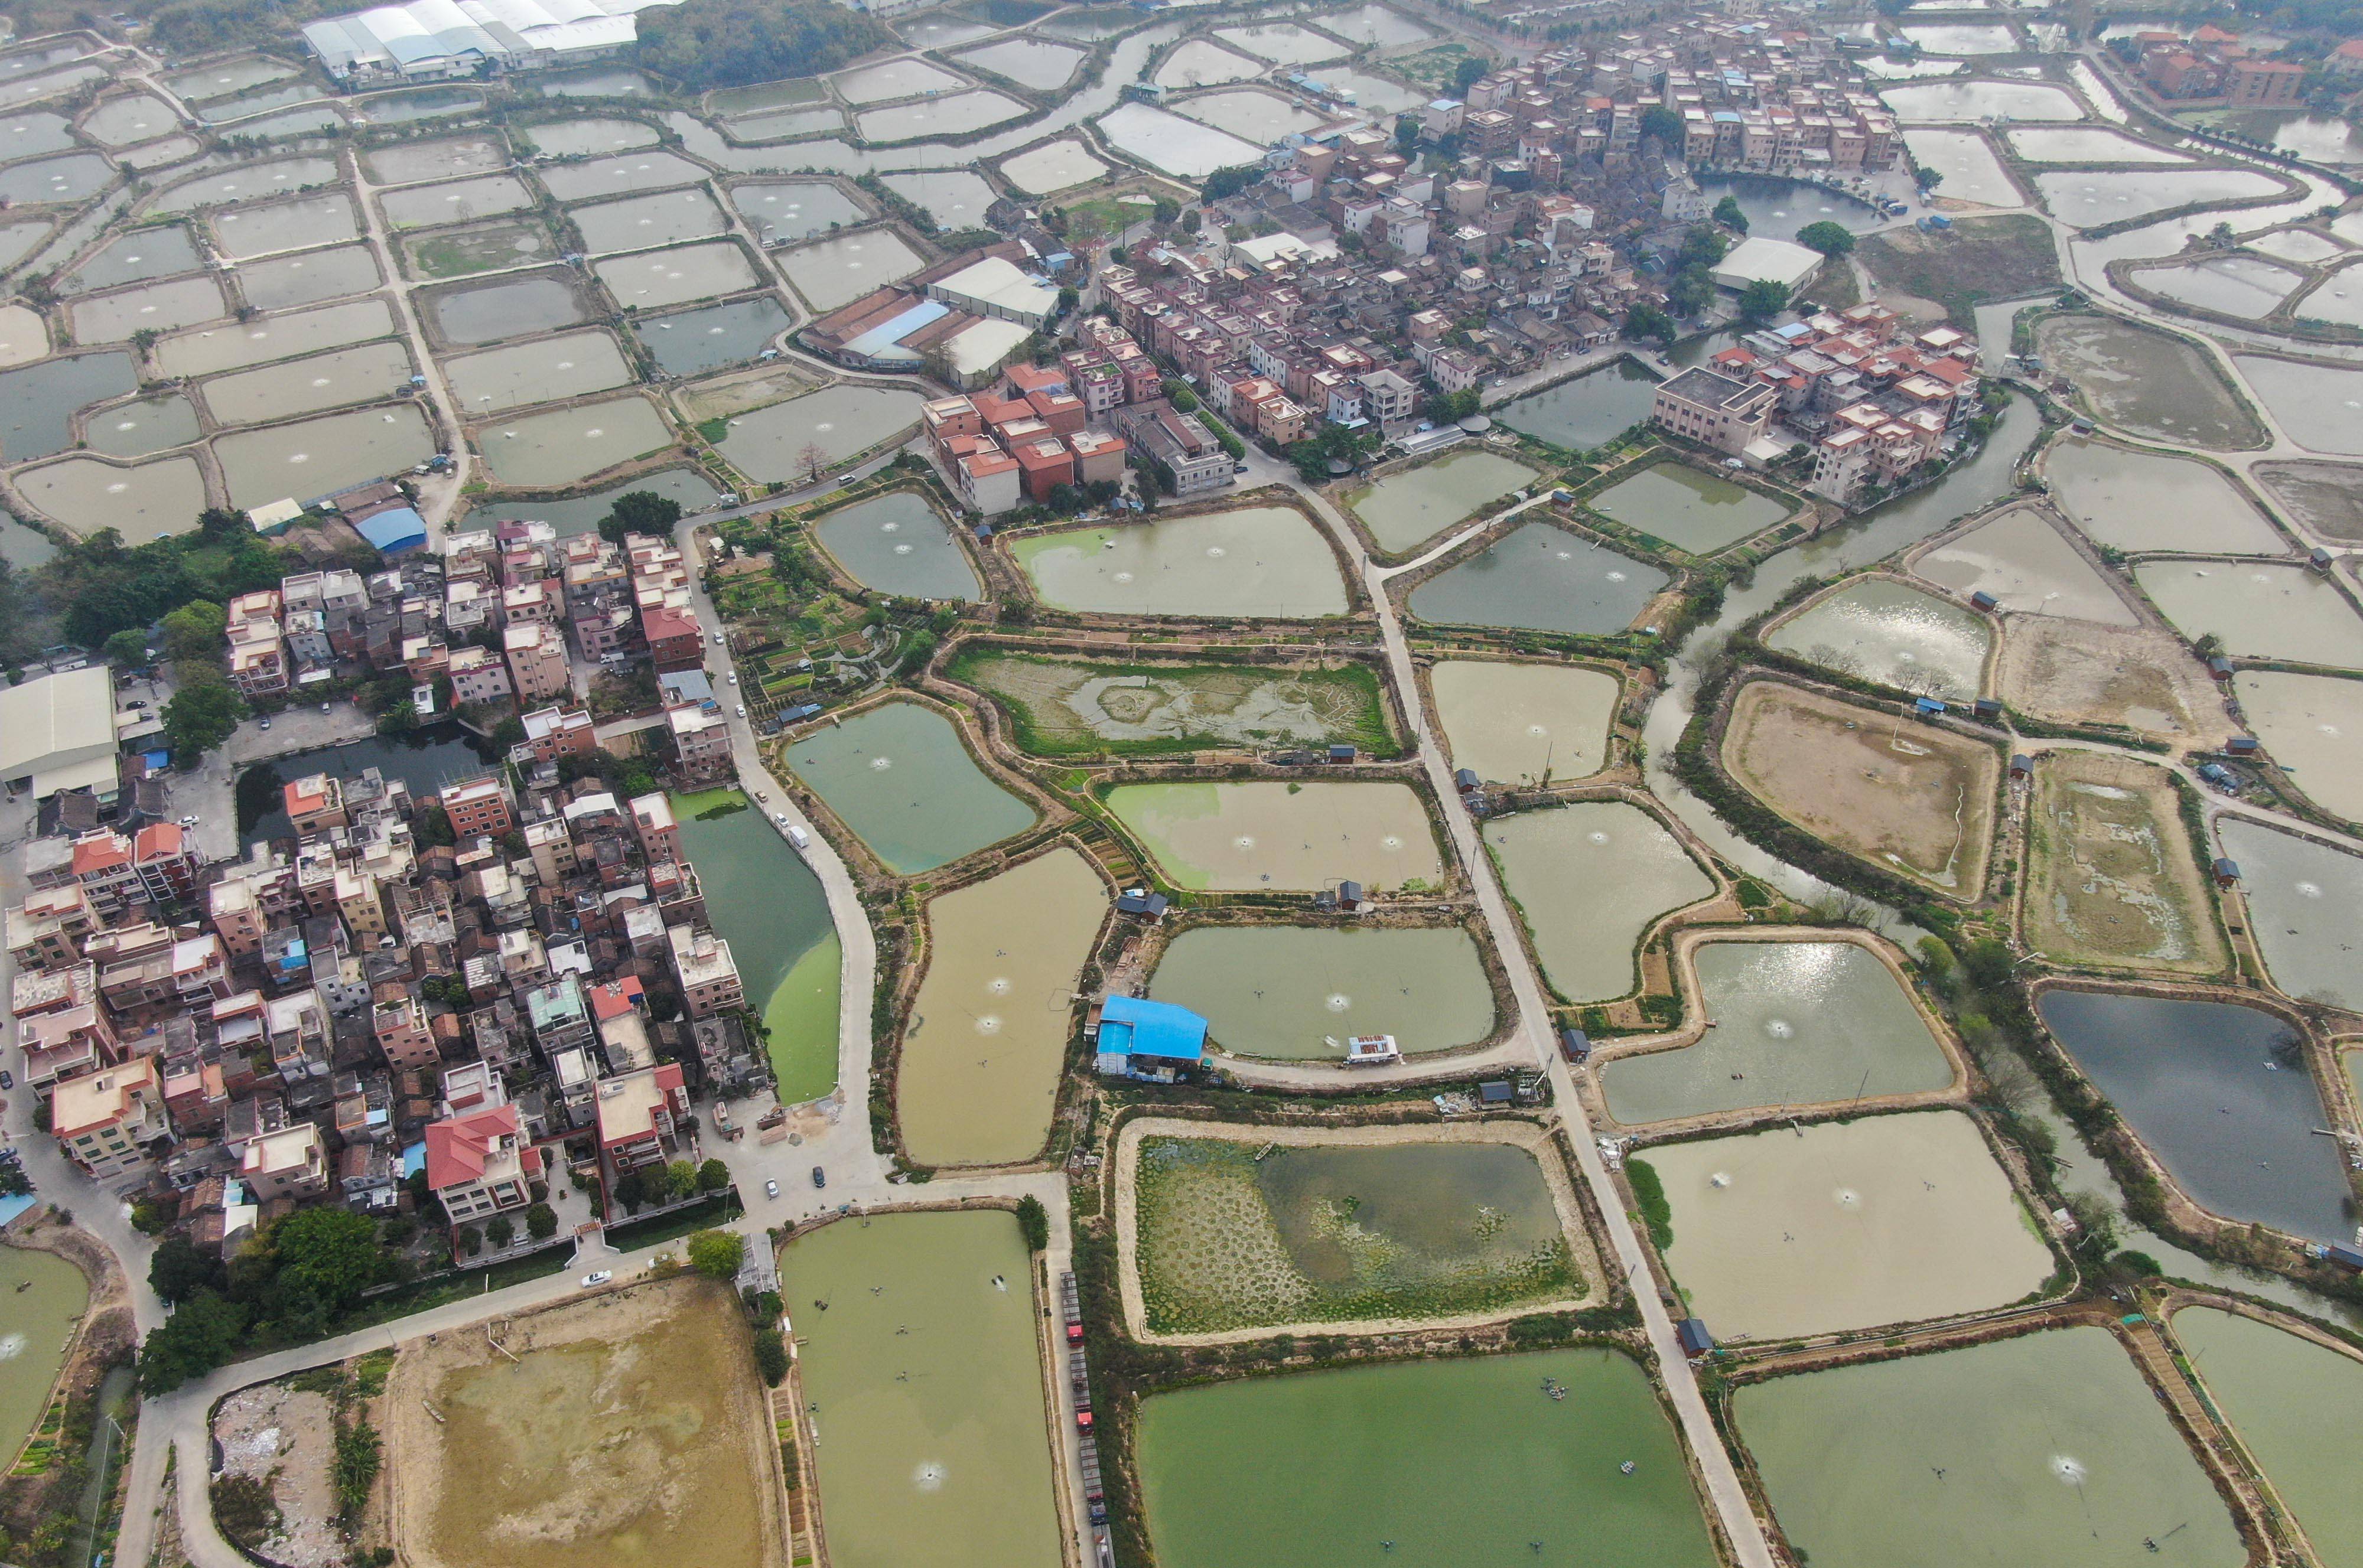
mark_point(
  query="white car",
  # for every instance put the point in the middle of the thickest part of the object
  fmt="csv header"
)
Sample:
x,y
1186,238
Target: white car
x,y
602,1278
733,677
742,709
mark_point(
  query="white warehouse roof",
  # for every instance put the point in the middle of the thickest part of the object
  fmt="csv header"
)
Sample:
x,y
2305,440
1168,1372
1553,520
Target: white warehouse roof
x,y
1753,259
425,38
995,287
54,729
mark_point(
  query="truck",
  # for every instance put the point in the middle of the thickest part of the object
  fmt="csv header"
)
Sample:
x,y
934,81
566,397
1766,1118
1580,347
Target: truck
x,y
1071,1307
1094,1493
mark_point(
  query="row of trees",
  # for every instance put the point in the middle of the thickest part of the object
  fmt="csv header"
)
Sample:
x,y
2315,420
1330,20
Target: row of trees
x,y
292,1282
731,43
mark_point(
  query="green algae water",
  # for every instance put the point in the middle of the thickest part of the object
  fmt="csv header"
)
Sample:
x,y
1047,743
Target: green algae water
x,y
1455,1463
46,1297
766,902
2283,1395
901,778
924,1383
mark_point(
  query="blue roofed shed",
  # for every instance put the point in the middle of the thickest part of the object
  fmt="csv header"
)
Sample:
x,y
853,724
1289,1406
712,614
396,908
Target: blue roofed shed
x,y
395,530
1139,1038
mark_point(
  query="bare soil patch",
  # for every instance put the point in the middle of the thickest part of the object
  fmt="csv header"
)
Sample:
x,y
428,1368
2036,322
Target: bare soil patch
x,y
1902,795
2138,678
287,1438
2112,879
2324,497
630,1430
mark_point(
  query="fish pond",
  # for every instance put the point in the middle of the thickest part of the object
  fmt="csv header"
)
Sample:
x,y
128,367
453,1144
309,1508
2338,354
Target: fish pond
x,y
767,903
1585,411
2312,726
139,500
1501,1466
1411,505
1523,724
1297,992
1878,629
2280,1393
470,313
1788,1023
898,544
2258,608
309,384
1588,879
2148,383
2220,1093
38,403
135,429
841,419
977,1077
2243,286
831,272
2317,405
655,279
2146,500
280,337
1255,835
46,1297
794,209
2301,896
2029,567
542,370
569,444
696,341
135,258
314,457
1952,102
637,222
1540,577
1265,561
2085,198
917,1351
2047,1448
581,513
1061,707
901,778
1257,1231
286,282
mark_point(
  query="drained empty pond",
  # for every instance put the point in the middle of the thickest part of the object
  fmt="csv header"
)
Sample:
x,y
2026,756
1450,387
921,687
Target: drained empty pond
x,y
2112,881
1499,1466
1061,707
1298,993
901,778
2048,1448
1845,1225
2222,1095
1257,1231
987,1035
1253,834
1543,579
1265,561
1589,878
1790,1024
917,1355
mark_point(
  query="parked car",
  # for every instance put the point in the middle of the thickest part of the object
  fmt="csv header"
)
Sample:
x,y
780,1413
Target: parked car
x,y
820,1176
266,724
601,1277
741,709
137,702
770,1189
7,1079
324,707
733,677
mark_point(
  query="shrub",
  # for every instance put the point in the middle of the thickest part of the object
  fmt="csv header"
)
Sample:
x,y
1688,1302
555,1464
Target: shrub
x,y
770,1355
1034,1223
244,1509
541,1221
1649,1192
502,1231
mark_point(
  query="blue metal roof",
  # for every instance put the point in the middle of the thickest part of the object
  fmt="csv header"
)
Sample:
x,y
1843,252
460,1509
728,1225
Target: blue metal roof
x,y
1133,1026
396,528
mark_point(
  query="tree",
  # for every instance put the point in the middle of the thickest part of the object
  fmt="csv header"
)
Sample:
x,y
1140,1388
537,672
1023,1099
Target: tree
x,y
1224,184
1662,125
680,1178
195,630
178,1271
471,1240
1407,133
1033,1223
1829,238
1467,74
717,1255
332,1254
501,1231
128,647
712,1176
1644,321
812,459
1928,179
541,1221
631,1191
770,1355
1763,299
732,44
639,512
199,1336
1727,213
200,716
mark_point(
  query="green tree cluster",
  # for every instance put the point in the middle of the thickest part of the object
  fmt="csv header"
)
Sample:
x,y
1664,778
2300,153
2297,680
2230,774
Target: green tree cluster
x,y
291,1282
730,43
717,1255
1828,237
1728,213
639,512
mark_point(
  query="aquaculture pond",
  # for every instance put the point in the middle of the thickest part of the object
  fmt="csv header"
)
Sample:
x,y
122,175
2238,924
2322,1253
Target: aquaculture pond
x,y
696,341
542,369
316,456
794,209
901,778
1500,1466
2222,1095
832,272
841,419
148,307
1255,835
135,429
1948,103
1543,579
1588,879
1789,1023
636,222
2301,896
2312,726
2281,1394
2243,286
898,544
581,513
46,1297
917,1351
1259,1230
1409,506
2111,878
309,277
1879,629
279,338
2148,500
1688,508
135,258
2316,404
37,401
511,307
2260,609
1265,561
2029,567
2325,497
2148,383
423,206
654,279
1845,1225
1176,145
1298,992
1068,707
1964,161
1585,411
1521,723
977,1077
139,500
2087,198
572,443
767,903
2047,1448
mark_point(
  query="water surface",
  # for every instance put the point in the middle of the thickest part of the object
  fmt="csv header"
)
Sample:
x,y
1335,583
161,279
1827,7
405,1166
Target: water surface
x,y
1518,723
2149,500
46,1297
2280,1393
1263,834
1879,629
901,778
1288,991
1404,508
1540,577
2312,726
1587,879
898,544
2260,609
1265,561
2302,899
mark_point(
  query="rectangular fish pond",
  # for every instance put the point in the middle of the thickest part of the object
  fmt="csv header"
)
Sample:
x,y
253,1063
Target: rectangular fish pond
x,y
1266,1228
1072,707
2045,1449
1404,508
2281,1394
1270,562
841,419
2268,610
695,341
2302,896
900,776
1792,1024
314,457
987,1036
1513,722
1257,835
767,903
1585,411
1297,992
1540,577
1843,1225
2222,1096
1879,629
918,1354
1475,1460
2112,880
1588,878
1688,508
570,444
542,370
581,513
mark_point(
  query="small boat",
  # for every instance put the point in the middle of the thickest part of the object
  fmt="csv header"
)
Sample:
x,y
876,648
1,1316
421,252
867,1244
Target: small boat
x,y
1626,1468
